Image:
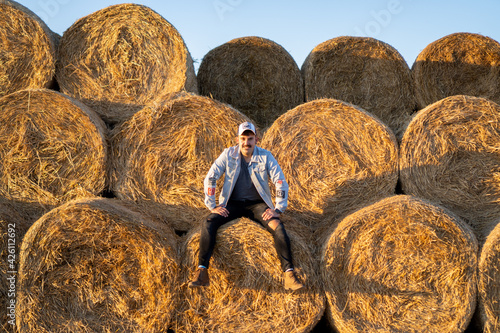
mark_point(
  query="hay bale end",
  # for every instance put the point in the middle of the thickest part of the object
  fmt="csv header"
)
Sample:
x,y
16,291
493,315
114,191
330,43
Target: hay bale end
x,y
253,74
121,58
400,265
93,265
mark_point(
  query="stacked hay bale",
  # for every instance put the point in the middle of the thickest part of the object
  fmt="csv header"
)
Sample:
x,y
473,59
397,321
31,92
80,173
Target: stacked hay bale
x,y
335,156
93,265
400,265
246,289
28,52
163,153
365,72
489,283
52,148
121,58
255,75
449,154
458,64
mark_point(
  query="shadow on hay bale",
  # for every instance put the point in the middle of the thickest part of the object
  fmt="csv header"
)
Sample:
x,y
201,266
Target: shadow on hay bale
x,y
164,151
336,158
400,265
255,75
94,265
365,72
489,283
52,148
458,64
28,54
181,217
121,58
449,155
246,292
15,219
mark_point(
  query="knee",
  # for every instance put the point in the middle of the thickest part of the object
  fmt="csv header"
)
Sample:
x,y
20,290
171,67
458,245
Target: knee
x,y
209,223
274,224
280,228
280,233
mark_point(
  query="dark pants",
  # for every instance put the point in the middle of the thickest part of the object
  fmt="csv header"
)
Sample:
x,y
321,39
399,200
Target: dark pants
x,y
253,210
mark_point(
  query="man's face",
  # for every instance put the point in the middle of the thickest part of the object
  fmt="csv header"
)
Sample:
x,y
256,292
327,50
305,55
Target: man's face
x,y
247,141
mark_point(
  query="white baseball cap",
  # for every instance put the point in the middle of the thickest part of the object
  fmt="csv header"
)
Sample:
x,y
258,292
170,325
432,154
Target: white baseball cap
x,y
246,126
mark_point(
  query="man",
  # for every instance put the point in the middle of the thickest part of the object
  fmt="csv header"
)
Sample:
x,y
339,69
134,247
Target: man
x,y
246,192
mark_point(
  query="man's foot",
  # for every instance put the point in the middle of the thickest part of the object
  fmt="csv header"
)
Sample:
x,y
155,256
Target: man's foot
x,y
200,278
292,282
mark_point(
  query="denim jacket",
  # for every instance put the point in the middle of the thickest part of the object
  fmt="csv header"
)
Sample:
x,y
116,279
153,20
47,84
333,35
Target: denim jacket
x,y
262,167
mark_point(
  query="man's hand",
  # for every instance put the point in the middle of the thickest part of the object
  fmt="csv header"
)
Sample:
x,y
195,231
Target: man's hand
x,y
269,214
221,211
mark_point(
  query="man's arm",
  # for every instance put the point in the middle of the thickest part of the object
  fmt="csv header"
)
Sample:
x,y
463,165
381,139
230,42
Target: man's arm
x,y
216,171
278,178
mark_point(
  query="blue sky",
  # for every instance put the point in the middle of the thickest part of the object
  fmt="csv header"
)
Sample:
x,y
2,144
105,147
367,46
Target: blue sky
x,y
298,26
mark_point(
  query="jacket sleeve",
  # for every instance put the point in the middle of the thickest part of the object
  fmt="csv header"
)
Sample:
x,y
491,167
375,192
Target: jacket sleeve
x,y
216,171
278,178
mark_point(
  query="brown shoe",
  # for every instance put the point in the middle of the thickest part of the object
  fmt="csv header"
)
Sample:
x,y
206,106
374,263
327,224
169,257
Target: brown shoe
x,y
292,282
200,278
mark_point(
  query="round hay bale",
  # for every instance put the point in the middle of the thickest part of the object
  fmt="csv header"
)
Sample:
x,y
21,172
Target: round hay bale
x,y
400,265
365,72
458,64
335,157
255,75
246,292
52,148
489,282
94,266
294,225
121,58
28,52
163,152
449,154
15,219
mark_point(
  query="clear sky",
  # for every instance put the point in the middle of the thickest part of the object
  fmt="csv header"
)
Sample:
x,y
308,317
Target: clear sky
x,y
298,26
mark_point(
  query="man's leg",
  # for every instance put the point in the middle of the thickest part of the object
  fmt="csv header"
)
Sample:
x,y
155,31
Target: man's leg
x,y
277,230
281,243
208,236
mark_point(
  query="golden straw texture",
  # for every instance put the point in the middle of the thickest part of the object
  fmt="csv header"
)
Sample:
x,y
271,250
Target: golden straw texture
x,y
52,148
255,75
164,151
365,72
489,282
400,265
27,49
15,219
335,157
121,58
449,154
246,292
95,266
458,64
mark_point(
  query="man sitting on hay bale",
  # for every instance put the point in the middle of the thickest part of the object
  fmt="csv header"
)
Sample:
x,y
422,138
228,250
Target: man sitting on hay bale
x,y
246,192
